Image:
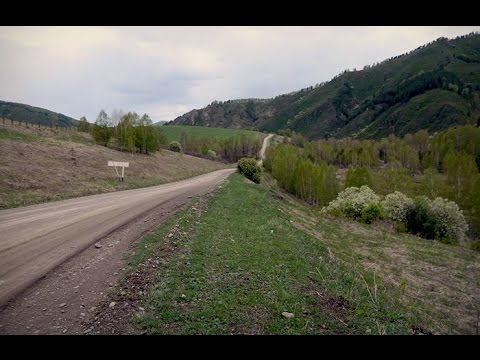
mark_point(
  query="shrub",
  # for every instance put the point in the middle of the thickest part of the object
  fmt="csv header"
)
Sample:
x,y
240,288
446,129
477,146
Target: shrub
x,y
371,213
250,168
396,206
439,219
450,223
175,146
212,155
352,201
419,219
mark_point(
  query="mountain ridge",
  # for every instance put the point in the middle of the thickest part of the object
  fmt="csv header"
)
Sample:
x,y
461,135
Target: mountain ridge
x,y
432,87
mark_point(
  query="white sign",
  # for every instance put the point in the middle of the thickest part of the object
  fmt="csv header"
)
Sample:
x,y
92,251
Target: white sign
x,y
118,163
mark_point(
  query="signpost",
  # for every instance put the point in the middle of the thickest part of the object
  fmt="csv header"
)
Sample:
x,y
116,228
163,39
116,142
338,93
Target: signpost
x,y
118,163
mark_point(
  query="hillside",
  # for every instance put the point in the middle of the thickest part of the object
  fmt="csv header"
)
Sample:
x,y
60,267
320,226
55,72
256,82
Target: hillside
x,y
34,115
432,87
39,165
252,260
174,133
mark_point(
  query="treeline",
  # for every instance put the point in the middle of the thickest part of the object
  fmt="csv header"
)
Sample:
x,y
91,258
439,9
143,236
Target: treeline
x,y
229,149
127,132
295,172
415,152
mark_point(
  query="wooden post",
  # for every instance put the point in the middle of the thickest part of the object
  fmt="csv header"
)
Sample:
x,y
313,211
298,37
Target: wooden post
x,y
11,121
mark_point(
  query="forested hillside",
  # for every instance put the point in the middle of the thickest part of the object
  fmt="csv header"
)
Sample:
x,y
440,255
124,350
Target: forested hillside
x,y
34,115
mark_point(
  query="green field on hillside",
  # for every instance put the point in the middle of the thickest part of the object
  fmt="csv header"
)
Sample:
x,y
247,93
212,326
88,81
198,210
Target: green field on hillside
x,y
174,132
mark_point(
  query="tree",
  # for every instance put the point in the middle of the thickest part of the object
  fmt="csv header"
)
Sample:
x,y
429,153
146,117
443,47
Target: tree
x,y
358,177
83,125
101,132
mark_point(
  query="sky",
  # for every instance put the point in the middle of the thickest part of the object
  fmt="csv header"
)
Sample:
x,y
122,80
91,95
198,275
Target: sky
x,y
168,71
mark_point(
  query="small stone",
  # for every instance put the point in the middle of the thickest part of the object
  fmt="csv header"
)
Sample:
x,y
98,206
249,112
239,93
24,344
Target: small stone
x,y
37,332
368,331
288,315
62,305
115,273
271,231
123,292
112,304
190,197
184,296
88,330
64,331
92,309
82,314
98,246
170,235
141,308
44,309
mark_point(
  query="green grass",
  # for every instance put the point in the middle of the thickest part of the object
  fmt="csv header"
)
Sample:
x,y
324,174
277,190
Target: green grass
x,y
174,132
251,256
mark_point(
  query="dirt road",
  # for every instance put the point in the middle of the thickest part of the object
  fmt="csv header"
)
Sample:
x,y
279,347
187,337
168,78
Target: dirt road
x,y
53,278
36,239
264,148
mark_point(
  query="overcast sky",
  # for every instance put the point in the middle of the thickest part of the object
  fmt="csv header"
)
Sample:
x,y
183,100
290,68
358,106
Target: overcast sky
x,y
167,71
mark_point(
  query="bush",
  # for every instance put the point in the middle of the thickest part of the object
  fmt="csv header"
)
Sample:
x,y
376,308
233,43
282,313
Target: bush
x,y
352,201
212,155
250,168
419,219
396,206
439,219
450,223
371,213
175,146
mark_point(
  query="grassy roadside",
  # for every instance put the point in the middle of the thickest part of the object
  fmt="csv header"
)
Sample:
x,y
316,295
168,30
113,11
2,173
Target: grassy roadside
x,y
250,256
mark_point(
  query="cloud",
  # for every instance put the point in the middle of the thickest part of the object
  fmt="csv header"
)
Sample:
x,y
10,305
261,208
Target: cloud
x,y
167,71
